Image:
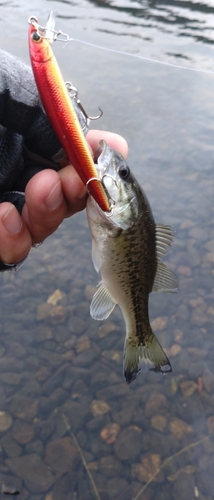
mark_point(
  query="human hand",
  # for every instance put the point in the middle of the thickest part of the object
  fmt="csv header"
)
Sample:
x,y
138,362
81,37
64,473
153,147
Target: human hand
x,y
50,197
30,161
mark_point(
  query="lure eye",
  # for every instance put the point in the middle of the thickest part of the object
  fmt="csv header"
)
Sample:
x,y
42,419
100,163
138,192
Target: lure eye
x,y
35,37
124,172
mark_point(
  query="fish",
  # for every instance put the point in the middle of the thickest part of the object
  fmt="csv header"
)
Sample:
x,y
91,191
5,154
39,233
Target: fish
x,y
64,115
127,248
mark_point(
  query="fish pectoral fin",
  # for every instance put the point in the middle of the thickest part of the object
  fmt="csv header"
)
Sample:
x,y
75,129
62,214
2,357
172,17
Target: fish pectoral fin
x,y
164,238
96,259
165,280
102,303
140,356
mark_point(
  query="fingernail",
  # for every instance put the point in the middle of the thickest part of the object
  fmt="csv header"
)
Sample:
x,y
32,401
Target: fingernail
x,y
55,197
12,220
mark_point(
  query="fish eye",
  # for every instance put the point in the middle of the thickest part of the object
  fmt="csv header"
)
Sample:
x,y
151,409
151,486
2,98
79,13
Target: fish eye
x,y
35,37
124,171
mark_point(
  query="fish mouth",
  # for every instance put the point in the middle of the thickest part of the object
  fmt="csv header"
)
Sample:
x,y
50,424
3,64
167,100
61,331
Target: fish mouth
x,y
110,186
103,154
102,158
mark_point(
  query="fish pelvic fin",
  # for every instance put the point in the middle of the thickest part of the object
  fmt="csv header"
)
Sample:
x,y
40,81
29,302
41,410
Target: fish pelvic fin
x,y
102,303
140,355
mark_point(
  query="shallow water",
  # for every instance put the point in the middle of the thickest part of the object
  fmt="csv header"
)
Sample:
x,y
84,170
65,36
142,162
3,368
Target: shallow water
x,y
62,391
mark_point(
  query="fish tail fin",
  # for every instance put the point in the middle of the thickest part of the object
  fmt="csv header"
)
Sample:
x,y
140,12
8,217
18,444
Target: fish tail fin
x,y
141,355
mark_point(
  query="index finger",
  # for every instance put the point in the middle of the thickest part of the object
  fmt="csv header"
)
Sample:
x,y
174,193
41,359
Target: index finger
x,y
115,141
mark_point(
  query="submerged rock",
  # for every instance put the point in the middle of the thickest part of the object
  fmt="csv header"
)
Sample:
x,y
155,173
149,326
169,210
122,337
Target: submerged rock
x,y
159,422
5,421
157,403
61,456
106,328
179,428
110,432
10,485
149,467
63,488
117,486
11,448
99,407
159,323
188,387
110,466
32,469
52,313
83,344
23,432
184,270
128,444
172,351
56,297
210,424
183,487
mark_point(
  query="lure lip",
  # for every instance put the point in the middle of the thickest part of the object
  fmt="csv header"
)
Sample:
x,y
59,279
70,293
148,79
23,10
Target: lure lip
x,y
59,109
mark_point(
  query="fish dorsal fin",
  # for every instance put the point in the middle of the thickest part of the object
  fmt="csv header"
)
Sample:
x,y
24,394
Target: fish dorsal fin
x,y
164,239
165,280
102,303
96,259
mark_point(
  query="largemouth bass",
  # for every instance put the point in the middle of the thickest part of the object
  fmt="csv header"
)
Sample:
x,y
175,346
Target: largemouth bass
x,y
127,247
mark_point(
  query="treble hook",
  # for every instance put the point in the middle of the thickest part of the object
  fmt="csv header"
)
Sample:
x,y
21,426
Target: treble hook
x,y
75,96
110,199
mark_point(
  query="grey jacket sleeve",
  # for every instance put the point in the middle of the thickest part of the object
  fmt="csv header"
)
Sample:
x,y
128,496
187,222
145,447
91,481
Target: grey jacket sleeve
x,y
27,142
20,107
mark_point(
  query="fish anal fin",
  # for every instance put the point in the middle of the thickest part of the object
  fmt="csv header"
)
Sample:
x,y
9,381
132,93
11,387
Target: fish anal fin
x,y
139,356
102,303
165,280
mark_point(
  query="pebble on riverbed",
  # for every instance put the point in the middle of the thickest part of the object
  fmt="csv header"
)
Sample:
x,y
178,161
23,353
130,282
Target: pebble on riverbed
x,y
107,328
128,444
33,471
110,432
150,463
188,387
6,421
159,422
99,407
61,456
179,428
155,404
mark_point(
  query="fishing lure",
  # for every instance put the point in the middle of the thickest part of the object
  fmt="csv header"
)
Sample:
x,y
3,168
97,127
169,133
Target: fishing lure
x,y
60,110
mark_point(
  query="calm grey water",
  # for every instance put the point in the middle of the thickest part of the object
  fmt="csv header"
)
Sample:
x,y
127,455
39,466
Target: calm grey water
x,y
66,414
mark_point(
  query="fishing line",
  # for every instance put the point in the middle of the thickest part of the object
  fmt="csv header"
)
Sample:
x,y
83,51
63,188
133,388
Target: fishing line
x,y
63,37
138,56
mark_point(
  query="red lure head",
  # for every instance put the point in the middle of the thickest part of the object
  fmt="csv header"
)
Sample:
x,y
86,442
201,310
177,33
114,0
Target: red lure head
x,y
40,48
